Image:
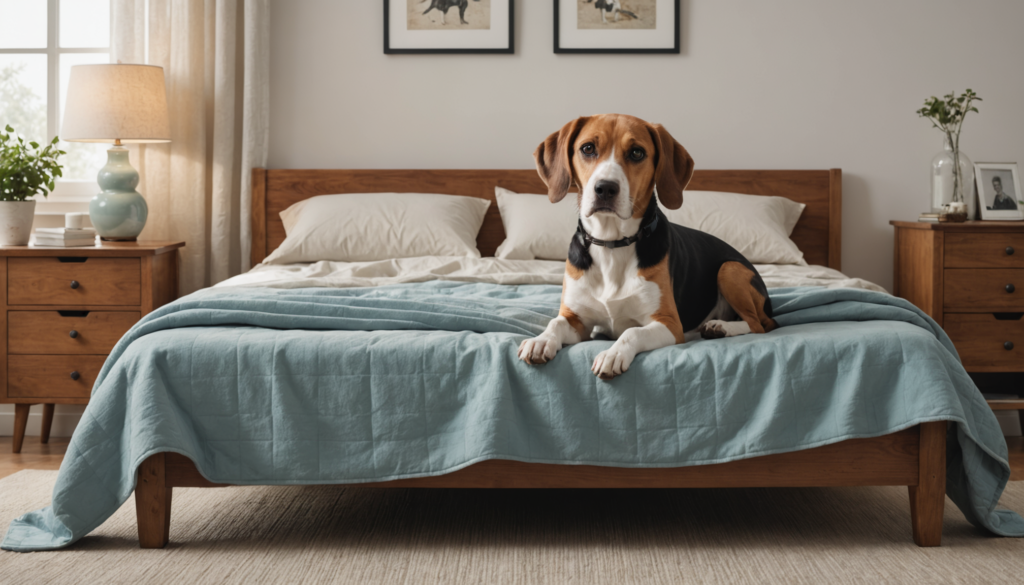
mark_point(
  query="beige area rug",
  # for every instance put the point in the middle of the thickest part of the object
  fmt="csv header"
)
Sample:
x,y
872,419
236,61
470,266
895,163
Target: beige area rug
x,y
329,534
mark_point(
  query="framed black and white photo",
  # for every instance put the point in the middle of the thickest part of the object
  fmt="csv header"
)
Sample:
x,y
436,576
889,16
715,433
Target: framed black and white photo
x,y
999,193
616,26
447,26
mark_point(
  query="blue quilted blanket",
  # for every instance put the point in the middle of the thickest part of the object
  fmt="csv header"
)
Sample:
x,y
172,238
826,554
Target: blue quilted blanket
x,y
265,386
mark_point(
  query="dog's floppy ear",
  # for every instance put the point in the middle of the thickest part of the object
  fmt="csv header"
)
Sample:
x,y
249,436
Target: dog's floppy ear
x,y
554,159
674,168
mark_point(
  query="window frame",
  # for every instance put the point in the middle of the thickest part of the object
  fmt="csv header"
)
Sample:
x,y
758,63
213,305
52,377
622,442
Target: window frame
x,y
64,191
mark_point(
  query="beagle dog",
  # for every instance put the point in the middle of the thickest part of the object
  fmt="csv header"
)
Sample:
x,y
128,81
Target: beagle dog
x,y
631,275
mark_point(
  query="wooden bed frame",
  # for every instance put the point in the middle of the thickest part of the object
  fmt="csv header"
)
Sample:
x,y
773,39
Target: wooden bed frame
x,y
915,457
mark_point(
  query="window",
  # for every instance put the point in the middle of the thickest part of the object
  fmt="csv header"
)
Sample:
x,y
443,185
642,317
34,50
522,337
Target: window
x,y
42,40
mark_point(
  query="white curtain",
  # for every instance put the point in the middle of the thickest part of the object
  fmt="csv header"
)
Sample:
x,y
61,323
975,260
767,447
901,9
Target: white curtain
x,y
216,60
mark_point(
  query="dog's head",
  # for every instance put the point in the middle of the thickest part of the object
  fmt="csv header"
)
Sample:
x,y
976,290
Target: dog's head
x,y
616,161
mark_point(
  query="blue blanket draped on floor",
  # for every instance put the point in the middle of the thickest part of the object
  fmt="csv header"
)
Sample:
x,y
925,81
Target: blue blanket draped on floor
x,y
266,386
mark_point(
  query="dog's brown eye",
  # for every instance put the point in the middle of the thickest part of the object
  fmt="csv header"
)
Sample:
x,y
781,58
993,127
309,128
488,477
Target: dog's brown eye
x,y
589,149
637,154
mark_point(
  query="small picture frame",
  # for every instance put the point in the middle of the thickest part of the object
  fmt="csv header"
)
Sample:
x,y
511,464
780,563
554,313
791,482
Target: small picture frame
x,y
616,26
423,27
999,194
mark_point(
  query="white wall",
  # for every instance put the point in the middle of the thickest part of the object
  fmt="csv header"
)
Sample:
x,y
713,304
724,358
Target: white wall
x,y
781,84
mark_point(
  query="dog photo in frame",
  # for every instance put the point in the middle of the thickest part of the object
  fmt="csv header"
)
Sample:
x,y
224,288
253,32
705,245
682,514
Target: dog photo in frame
x,y
448,26
616,26
999,193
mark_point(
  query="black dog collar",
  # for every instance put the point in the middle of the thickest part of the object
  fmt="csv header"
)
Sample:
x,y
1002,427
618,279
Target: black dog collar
x,y
639,235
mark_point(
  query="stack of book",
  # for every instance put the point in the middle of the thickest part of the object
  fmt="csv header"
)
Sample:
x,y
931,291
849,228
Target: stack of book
x,y
929,217
65,237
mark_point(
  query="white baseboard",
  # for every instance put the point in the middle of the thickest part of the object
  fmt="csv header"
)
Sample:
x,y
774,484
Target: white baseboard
x,y
64,423
1009,421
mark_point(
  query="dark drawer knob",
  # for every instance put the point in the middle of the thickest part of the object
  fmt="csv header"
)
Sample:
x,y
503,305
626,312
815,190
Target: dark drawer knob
x,y
74,284
1009,250
1010,288
1008,345
75,375
73,334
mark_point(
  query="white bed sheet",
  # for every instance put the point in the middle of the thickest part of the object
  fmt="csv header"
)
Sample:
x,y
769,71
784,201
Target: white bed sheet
x,y
487,270
783,275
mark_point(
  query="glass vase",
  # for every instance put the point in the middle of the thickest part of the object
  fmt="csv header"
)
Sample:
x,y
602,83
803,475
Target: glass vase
x,y
951,184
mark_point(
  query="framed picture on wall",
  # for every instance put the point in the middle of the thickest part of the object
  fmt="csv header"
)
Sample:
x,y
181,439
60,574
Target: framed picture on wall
x,y
447,26
616,26
999,191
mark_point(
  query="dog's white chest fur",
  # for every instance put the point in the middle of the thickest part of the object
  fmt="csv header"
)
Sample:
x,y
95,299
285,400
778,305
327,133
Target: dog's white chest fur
x,y
611,297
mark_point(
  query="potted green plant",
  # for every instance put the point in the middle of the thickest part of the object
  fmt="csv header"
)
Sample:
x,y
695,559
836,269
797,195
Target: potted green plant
x,y
25,171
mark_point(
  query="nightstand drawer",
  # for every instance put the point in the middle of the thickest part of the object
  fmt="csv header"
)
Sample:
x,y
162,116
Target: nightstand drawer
x,y
984,290
984,250
986,343
52,376
67,332
96,281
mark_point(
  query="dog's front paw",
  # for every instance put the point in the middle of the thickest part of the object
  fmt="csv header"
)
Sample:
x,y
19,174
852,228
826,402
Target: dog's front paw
x,y
539,350
713,329
612,362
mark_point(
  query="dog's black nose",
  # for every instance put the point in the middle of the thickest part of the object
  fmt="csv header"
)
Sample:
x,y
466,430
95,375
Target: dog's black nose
x,y
606,189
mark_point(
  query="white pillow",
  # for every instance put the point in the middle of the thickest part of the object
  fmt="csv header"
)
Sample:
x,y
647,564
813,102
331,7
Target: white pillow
x,y
363,227
757,226
534,227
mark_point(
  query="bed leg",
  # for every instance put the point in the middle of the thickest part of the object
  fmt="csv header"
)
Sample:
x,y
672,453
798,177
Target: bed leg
x,y
928,497
153,503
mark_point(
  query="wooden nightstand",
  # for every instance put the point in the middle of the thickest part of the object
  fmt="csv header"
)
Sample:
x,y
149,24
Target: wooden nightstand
x,y
63,309
969,277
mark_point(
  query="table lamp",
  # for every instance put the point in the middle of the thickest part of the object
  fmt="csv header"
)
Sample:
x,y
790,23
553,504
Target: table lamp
x,y
122,104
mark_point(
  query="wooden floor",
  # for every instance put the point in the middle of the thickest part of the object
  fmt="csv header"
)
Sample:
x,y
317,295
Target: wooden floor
x,y
35,455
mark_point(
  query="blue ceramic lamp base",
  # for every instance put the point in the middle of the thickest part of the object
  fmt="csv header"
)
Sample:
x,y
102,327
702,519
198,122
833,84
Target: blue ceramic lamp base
x,y
118,211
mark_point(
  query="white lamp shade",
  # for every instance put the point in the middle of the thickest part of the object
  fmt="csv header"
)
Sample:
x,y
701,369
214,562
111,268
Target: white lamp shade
x,y
116,102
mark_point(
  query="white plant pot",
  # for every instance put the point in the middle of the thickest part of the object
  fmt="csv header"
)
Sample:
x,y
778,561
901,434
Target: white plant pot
x,y
16,222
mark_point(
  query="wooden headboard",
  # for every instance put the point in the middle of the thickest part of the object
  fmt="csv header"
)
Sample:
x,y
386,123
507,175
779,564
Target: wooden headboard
x,y
818,234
